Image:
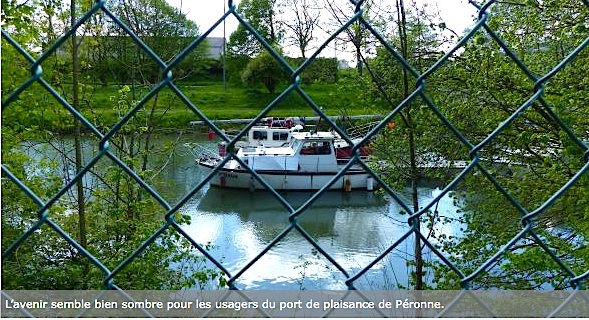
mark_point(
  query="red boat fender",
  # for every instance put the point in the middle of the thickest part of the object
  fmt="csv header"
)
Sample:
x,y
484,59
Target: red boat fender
x,y
222,148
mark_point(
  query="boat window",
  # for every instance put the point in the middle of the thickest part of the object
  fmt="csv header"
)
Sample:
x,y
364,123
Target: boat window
x,y
260,135
316,147
280,136
294,144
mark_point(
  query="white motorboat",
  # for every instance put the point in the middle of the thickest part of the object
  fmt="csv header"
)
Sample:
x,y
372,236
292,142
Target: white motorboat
x,y
308,162
278,133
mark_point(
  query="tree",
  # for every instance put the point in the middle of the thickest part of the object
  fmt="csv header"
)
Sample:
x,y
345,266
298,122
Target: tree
x,y
166,31
263,69
261,15
18,211
356,34
162,27
531,158
408,144
120,215
302,26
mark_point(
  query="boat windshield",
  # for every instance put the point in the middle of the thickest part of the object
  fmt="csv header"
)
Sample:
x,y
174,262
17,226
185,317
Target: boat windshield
x,y
295,144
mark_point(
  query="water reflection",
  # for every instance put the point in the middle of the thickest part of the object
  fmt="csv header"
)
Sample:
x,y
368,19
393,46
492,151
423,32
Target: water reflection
x,y
353,228
263,209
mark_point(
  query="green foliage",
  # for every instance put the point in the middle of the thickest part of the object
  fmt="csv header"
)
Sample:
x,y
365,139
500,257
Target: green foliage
x,y
120,214
263,69
235,66
261,15
216,101
117,59
162,27
533,158
351,95
478,91
240,43
413,135
19,16
321,70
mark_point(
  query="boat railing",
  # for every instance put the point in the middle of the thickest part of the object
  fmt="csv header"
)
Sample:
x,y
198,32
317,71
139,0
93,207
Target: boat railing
x,y
358,132
200,151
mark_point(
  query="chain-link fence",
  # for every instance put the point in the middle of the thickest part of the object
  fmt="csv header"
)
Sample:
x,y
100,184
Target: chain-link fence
x,y
168,223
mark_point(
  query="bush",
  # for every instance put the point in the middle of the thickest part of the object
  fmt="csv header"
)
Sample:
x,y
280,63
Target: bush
x,y
320,70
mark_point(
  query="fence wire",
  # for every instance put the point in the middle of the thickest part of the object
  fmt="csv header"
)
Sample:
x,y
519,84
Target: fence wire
x,y
45,217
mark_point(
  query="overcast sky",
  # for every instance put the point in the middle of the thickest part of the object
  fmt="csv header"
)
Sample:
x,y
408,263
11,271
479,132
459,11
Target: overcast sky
x,y
457,14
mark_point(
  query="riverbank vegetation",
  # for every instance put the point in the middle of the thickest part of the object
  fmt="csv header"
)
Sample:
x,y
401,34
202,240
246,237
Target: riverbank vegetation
x,y
216,101
501,99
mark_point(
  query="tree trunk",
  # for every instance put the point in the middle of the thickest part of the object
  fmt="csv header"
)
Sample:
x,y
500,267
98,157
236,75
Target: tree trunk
x,y
415,200
358,43
78,131
412,149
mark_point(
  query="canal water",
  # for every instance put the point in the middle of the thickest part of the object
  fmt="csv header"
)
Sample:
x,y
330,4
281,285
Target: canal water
x,y
353,228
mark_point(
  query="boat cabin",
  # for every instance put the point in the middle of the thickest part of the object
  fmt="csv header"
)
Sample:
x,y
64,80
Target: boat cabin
x,y
268,136
315,152
306,152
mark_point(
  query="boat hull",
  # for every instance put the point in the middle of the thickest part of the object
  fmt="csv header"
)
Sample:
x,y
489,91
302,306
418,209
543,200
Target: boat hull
x,y
288,180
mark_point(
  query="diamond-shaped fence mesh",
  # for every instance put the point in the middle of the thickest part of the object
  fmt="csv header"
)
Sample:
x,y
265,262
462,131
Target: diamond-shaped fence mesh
x,y
526,234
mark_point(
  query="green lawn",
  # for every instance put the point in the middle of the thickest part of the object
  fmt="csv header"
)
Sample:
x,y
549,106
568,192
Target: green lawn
x,y
230,102
37,108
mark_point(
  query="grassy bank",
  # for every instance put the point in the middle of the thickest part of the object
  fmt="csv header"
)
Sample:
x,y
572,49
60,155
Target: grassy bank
x,y
104,106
